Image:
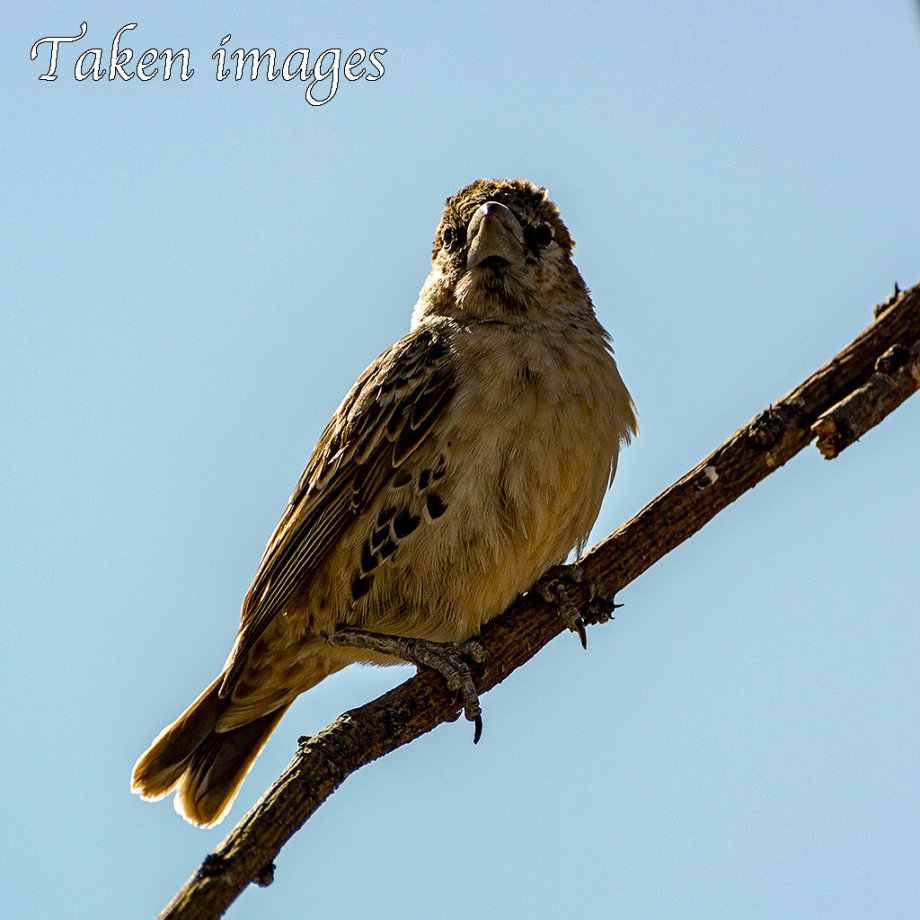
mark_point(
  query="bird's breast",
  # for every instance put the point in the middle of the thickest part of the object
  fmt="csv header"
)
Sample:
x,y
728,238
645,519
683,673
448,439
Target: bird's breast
x,y
509,481
532,443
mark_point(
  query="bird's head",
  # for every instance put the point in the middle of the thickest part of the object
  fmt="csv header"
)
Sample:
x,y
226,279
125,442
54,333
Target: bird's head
x,y
500,252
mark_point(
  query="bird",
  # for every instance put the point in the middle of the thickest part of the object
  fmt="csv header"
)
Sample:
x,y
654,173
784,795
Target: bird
x,y
465,463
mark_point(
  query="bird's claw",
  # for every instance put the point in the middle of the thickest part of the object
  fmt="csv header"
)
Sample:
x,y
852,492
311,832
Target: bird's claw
x,y
447,659
477,729
600,609
597,610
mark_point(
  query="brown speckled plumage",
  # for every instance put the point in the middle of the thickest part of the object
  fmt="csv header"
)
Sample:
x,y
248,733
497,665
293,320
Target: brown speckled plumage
x,y
467,460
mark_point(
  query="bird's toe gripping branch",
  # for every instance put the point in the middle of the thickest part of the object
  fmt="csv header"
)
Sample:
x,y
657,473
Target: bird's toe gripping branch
x,y
599,609
447,658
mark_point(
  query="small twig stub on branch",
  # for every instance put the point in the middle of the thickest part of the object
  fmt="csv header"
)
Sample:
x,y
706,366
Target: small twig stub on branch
x,y
897,376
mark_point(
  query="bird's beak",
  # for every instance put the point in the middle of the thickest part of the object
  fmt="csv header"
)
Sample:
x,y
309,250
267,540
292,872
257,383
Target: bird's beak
x,y
494,231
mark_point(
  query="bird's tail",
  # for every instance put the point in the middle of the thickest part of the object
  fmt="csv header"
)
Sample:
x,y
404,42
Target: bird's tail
x,y
205,766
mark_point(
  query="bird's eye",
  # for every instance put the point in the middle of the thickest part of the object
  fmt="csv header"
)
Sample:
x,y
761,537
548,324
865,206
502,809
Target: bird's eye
x,y
541,235
452,237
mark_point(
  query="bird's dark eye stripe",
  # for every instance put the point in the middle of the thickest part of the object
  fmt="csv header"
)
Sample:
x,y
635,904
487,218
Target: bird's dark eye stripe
x,y
452,237
540,235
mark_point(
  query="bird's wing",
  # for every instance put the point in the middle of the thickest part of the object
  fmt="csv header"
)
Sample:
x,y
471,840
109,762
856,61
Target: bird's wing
x,y
386,416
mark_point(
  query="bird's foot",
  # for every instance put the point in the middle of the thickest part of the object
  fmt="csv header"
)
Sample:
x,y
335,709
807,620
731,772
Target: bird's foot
x,y
444,657
551,588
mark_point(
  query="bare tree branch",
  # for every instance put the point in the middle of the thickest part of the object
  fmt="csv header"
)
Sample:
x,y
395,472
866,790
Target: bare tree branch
x,y
846,393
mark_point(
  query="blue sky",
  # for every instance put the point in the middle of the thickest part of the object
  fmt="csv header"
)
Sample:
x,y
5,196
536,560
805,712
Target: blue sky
x,y
195,273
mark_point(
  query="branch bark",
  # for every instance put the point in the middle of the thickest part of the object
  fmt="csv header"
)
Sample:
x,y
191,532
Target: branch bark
x,y
847,391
